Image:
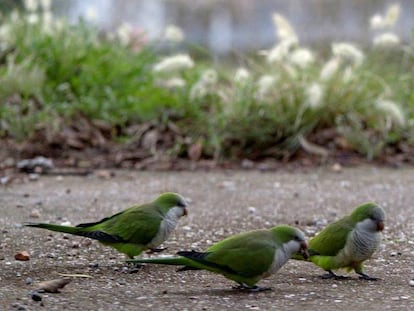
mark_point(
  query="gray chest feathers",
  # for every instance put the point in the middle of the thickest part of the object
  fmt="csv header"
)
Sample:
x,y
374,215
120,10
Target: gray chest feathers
x,y
167,226
363,242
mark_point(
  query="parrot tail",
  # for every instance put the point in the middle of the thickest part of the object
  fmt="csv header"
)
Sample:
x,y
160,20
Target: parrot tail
x,y
173,260
95,234
52,227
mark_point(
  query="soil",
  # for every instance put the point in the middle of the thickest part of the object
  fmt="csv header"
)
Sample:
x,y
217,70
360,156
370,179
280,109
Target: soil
x,y
221,203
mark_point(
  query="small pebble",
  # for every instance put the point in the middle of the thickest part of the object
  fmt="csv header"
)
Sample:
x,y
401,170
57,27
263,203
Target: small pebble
x,y
34,214
252,210
4,180
33,177
36,296
336,167
28,281
411,282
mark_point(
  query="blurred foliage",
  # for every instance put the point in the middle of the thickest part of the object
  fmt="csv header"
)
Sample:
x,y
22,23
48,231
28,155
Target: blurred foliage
x,y
52,72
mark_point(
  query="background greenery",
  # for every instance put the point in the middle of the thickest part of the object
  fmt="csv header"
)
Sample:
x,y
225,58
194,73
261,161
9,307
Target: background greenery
x,y
52,74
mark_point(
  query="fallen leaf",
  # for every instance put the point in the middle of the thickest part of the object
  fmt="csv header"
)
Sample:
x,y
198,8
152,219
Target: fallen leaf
x,y
52,286
22,256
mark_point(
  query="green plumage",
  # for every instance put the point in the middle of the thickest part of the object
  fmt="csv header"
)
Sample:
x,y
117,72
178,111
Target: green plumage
x,y
133,230
245,258
348,242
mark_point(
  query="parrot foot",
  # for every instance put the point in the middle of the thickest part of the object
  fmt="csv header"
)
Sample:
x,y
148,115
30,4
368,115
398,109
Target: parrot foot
x,y
331,275
257,289
156,250
366,277
252,289
135,266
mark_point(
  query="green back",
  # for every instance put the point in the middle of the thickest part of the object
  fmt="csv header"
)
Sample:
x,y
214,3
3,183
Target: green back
x,y
137,224
332,239
248,254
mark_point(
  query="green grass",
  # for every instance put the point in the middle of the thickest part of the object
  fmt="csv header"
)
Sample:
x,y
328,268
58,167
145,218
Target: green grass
x,y
51,76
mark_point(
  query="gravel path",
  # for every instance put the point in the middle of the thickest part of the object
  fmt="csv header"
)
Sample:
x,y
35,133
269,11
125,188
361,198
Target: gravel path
x,y
222,203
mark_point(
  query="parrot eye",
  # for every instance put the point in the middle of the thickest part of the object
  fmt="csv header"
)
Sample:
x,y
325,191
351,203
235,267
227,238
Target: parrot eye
x,y
181,204
297,238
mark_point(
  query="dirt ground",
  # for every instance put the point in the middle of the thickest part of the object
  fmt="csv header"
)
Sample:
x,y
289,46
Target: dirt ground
x,y
222,203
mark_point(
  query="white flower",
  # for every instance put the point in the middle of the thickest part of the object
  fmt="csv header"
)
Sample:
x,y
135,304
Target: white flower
x,y
392,110
314,94
172,83
46,4
47,22
329,69
198,91
392,15
33,18
348,73
302,57
5,32
209,77
280,51
386,40
347,51
123,32
31,5
174,34
377,22
241,76
174,63
283,28
205,84
264,85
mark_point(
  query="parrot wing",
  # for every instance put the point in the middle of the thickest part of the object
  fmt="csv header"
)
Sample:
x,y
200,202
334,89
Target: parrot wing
x,y
137,225
332,239
247,255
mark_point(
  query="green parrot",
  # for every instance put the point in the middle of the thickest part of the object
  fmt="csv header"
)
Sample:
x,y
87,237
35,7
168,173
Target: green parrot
x,y
245,258
348,242
134,230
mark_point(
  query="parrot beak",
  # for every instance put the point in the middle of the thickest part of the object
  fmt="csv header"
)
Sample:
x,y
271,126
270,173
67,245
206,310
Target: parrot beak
x,y
380,225
304,250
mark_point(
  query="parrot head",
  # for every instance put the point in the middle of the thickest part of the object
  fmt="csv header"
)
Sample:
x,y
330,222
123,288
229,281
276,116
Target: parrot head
x,y
292,239
370,216
170,200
